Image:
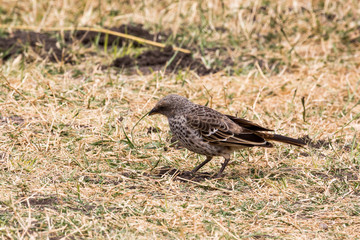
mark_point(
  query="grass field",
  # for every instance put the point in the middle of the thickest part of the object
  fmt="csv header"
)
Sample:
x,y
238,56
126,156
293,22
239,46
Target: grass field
x,y
78,161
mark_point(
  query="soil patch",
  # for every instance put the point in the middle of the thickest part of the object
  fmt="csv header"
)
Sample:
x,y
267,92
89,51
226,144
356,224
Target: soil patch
x,y
102,180
42,201
56,50
167,57
42,43
339,173
315,143
153,130
322,143
88,37
14,119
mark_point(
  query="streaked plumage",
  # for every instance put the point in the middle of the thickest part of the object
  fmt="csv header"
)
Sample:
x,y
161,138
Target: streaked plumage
x,y
211,133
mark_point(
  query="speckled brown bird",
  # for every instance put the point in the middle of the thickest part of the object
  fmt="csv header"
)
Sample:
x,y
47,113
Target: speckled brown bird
x,y
208,132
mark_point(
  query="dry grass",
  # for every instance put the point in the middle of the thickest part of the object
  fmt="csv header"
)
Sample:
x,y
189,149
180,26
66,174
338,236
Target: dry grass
x,y
75,163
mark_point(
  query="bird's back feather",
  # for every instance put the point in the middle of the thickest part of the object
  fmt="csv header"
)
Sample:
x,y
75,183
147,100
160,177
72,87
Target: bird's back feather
x,y
219,129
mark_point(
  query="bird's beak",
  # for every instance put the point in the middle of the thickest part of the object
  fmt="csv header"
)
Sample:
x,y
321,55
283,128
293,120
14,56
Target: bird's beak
x,y
152,112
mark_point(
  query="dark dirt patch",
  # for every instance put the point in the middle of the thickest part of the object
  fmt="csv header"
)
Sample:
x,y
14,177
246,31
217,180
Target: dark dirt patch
x,y
321,175
120,119
322,143
345,174
167,57
339,173
124,62
315,143
87,37
349,147
278,174
84,208
102,180
53,202
42,201
265,236
14,119
42,43
53,48
46,45
153,130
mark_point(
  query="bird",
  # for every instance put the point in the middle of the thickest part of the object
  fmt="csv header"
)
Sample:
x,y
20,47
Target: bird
x,y
208,132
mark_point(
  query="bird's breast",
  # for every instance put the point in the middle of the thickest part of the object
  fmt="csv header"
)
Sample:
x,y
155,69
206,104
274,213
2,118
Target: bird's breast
x,y
191,138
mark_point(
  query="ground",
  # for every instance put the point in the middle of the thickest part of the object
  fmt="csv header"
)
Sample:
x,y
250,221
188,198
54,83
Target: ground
x,y
79,158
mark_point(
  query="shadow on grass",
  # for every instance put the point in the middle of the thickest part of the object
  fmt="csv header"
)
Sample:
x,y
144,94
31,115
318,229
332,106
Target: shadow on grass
x,y
183,176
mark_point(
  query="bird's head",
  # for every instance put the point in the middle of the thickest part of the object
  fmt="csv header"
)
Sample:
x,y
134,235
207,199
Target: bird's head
x,y
168,105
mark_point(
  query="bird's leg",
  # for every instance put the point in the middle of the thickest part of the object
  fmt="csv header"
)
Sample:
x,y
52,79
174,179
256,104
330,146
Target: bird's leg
x,y
223,165
208,159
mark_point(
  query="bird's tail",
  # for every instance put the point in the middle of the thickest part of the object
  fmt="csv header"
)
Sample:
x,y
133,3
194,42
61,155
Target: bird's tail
x,y
283,139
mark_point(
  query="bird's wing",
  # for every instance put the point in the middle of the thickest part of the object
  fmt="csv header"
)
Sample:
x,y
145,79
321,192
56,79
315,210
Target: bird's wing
x,y
216,128
247,124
